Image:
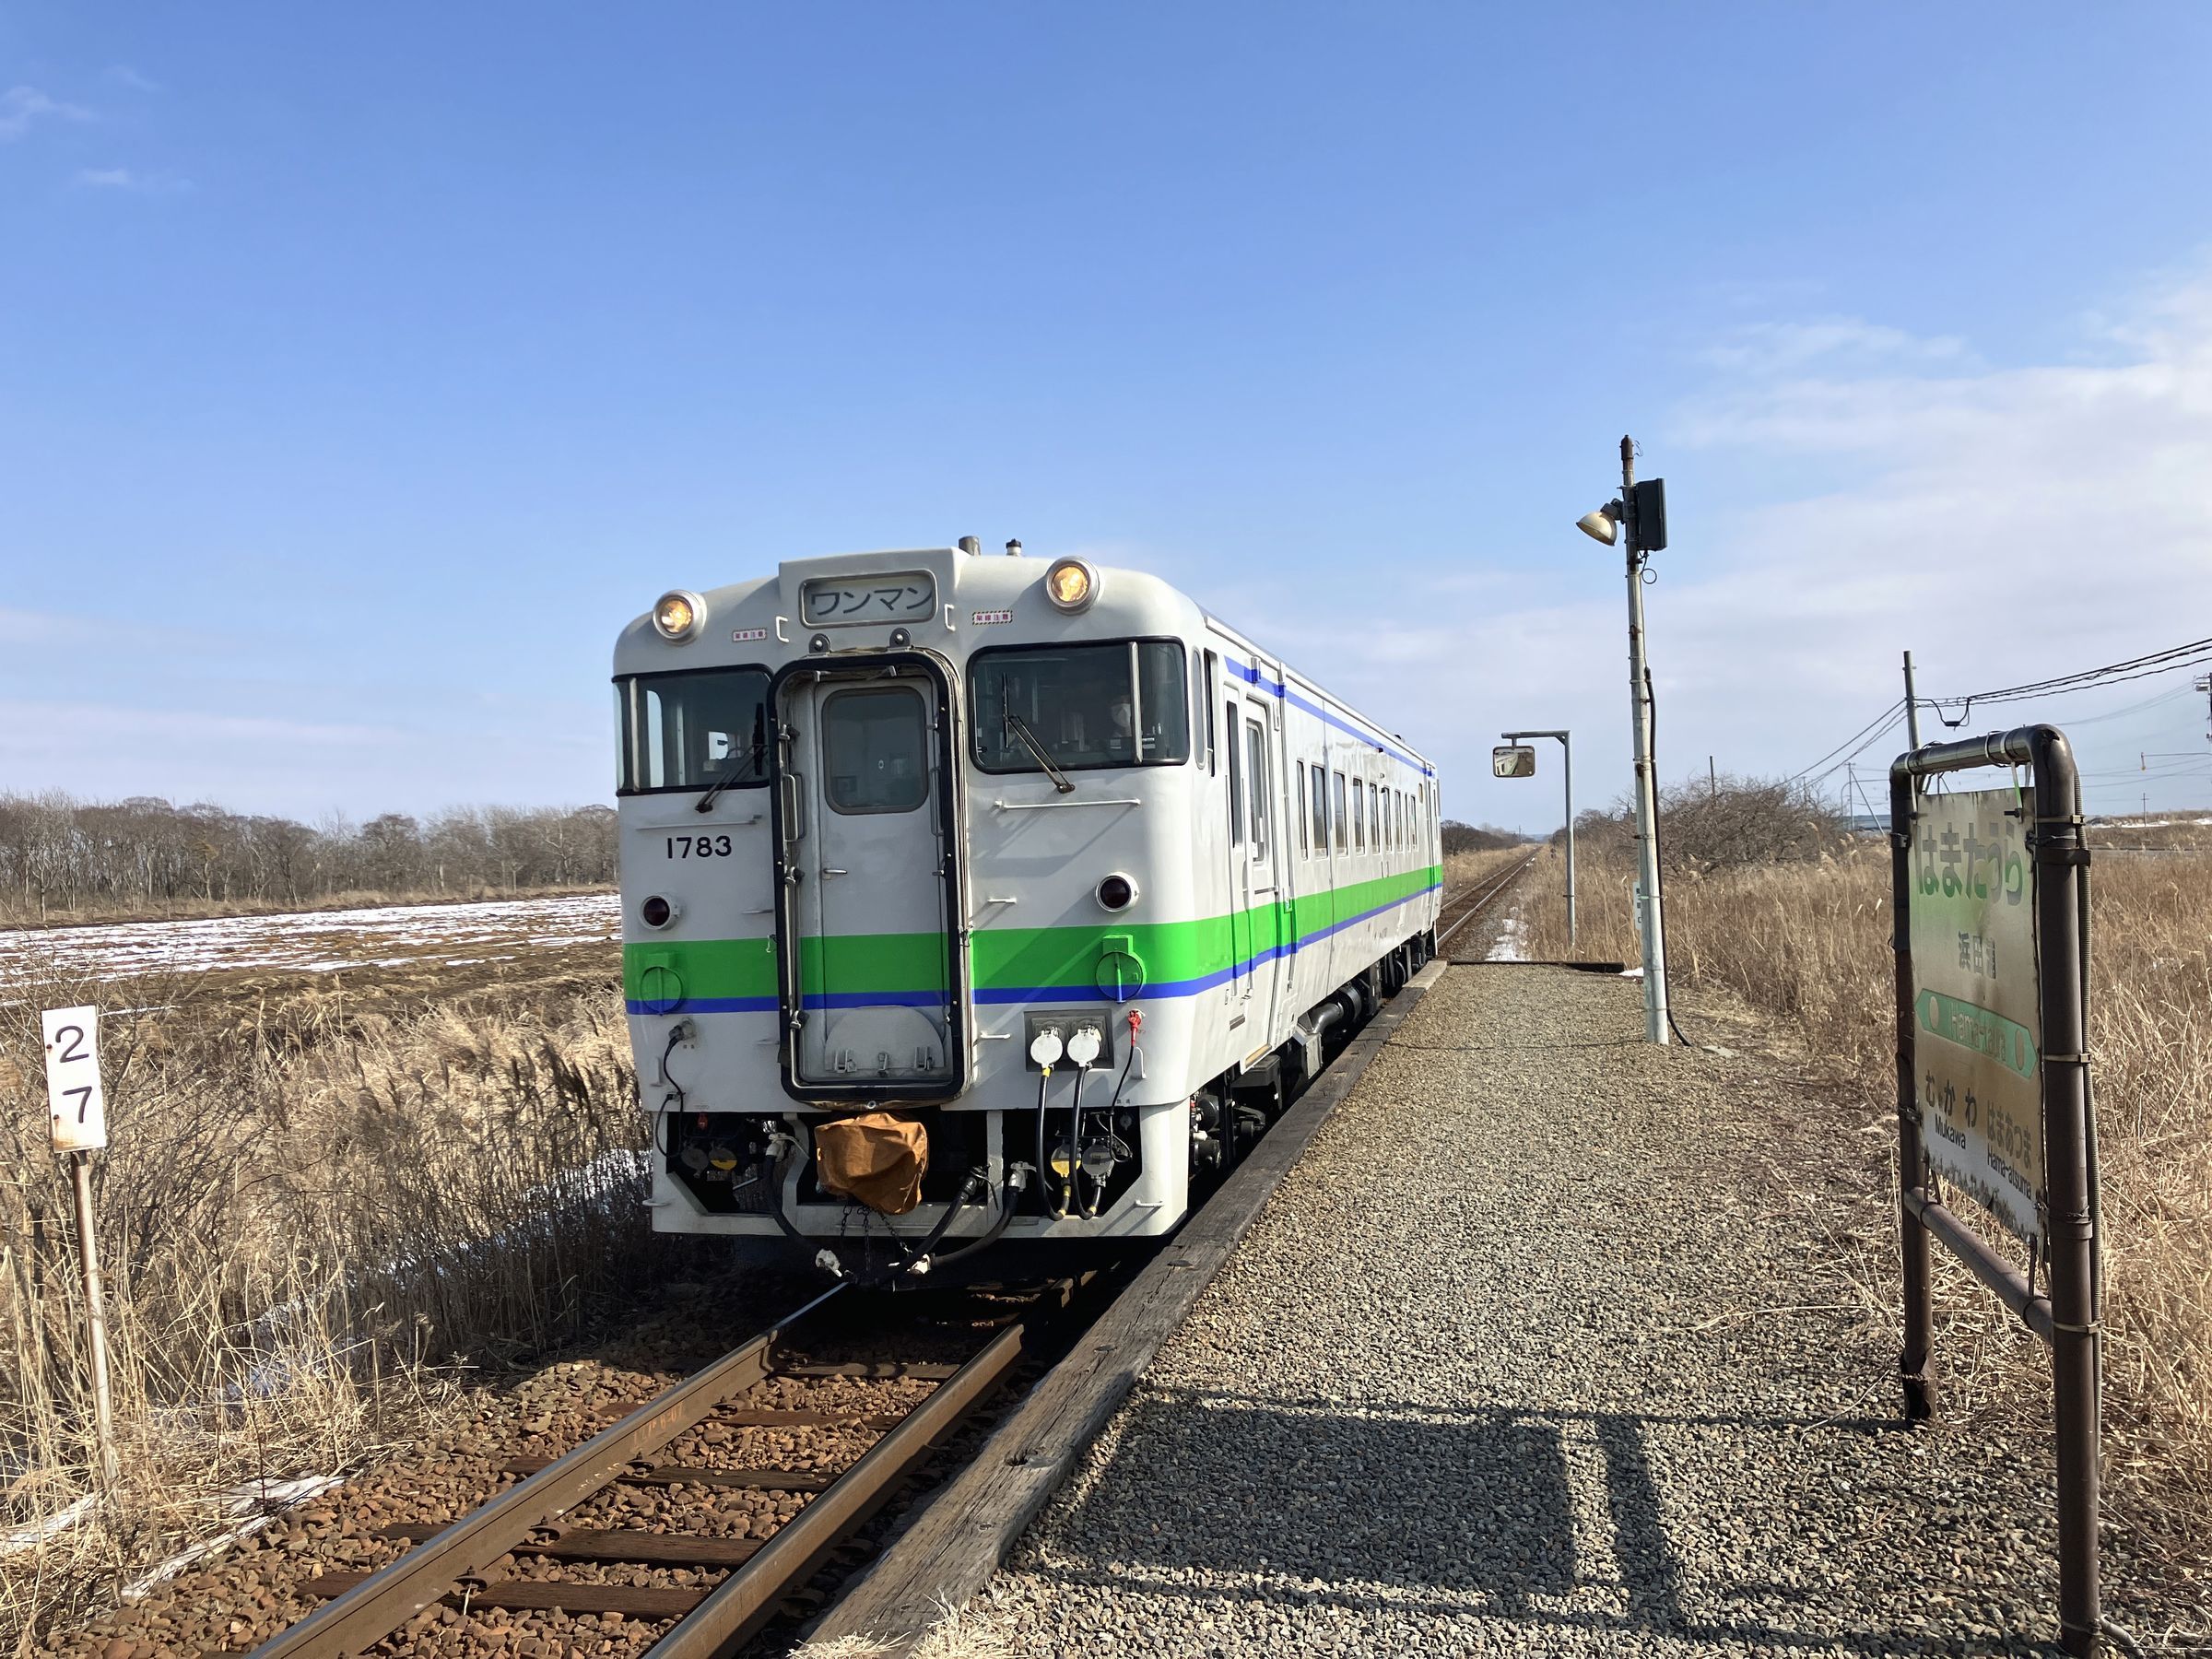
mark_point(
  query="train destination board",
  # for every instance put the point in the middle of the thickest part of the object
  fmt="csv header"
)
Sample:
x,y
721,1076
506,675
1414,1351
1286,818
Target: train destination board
x,y
1976,1026
893,596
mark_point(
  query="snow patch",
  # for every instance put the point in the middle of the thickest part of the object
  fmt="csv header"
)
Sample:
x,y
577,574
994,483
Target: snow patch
x,y
1513,941
392,935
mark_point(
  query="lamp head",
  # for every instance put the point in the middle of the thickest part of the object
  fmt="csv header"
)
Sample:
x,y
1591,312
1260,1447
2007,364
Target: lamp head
x,y
1603,525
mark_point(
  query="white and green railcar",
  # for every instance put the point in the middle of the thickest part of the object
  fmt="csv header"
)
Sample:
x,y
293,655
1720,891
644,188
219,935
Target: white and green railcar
x,y
1035,861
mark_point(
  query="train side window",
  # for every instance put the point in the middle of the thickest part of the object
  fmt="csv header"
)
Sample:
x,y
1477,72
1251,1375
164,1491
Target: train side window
x,y
1255,767
1343,834
1358,816
1236,775
1305,845
1318,807
1213,763
1374,816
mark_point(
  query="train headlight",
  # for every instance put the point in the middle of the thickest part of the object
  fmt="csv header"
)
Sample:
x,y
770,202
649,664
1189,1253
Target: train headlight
x,y
1117,892
1071,584
676,617
657,911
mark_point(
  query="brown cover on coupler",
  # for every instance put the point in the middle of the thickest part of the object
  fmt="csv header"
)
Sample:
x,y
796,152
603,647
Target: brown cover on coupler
x,y
875,1158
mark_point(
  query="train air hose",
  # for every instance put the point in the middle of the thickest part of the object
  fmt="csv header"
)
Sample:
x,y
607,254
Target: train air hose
x,y
1045,1048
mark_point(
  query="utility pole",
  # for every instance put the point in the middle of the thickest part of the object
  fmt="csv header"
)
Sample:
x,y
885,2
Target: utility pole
x,y
1647,786
1912,706
1641,512
1712,781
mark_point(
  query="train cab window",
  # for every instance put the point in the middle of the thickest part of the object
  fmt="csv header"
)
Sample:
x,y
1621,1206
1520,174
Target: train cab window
x,y
875,749
1319,810
1081,707
1342,834
692,730
1255,770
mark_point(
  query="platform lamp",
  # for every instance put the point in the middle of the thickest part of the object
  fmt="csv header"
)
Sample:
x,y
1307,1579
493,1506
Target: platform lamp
x,y
1641,512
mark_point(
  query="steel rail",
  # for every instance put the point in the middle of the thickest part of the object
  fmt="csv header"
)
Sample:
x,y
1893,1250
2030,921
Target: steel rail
x,y
748,1598
393,1594
1482,898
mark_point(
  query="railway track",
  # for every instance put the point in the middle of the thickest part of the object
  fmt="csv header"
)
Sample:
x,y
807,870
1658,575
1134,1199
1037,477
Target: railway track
x,y
656,1520
696,1517
1477,896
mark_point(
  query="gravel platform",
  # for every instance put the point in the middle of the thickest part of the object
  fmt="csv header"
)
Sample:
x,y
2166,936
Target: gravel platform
x,y
1531,1355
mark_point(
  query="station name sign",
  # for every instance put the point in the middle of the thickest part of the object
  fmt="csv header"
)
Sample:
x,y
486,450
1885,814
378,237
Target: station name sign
x,y
1976,1004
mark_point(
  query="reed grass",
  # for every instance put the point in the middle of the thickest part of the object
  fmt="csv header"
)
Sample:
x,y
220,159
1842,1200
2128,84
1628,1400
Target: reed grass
x,y
313,1221
1806,946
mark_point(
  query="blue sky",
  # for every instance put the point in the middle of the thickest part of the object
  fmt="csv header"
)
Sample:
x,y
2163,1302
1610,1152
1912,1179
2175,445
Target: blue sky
x,y
362,369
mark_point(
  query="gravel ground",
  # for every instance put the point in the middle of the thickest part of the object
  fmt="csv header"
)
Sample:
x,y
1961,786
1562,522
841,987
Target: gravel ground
x,y
1531,1355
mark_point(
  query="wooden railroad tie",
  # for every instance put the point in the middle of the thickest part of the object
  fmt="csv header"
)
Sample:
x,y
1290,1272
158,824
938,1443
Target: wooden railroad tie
x,y
668,1475
611,1544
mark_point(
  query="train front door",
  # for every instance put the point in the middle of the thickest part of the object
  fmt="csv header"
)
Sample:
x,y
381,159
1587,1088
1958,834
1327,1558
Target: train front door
x,y
871,983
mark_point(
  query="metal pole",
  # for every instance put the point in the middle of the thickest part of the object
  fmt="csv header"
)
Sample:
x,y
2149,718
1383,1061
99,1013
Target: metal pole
x,y
2070,1232
1567,744
1567,747
1915,1364
95,1317
1911,706
1647,790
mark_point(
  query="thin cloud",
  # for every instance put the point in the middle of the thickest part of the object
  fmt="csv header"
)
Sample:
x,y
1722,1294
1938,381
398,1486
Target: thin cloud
x,y
126,75
125,177
23,107
1773,347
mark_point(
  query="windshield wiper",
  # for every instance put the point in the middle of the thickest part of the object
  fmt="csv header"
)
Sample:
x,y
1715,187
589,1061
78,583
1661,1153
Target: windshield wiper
x,y
735,775
756,761
1020,728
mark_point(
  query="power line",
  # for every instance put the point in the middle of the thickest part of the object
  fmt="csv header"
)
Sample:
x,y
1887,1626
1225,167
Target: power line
x,y
2173,657
1885,720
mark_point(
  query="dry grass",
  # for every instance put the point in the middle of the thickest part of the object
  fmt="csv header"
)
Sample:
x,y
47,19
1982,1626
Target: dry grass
x,y
1808,945
1464,869
310,1217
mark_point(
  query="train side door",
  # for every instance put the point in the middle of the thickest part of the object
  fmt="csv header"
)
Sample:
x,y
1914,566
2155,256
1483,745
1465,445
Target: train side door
x,y
1240,872
1253,890
1265,909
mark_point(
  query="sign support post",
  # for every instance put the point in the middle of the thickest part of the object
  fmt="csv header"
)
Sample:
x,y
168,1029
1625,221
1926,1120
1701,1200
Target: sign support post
x,y
95,1317
1567,775
1983,1046
80,1127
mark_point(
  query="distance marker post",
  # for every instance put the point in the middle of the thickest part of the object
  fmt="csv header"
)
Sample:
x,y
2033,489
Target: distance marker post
x,y
80,1128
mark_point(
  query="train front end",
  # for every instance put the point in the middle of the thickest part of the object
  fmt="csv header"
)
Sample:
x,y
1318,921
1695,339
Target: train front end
x,y
895,830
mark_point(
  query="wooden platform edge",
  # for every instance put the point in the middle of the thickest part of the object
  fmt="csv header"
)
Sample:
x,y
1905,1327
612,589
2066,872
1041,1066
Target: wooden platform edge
x,y
934,1567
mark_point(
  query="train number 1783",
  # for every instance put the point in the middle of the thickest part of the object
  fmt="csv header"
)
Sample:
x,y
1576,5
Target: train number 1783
x,y
698,846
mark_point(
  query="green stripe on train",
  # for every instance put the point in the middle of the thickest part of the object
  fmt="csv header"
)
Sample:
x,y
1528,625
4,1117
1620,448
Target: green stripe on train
x,y
1003,957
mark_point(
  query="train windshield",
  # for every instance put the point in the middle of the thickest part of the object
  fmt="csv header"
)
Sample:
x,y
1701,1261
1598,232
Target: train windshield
x,y
694,730
1081,707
